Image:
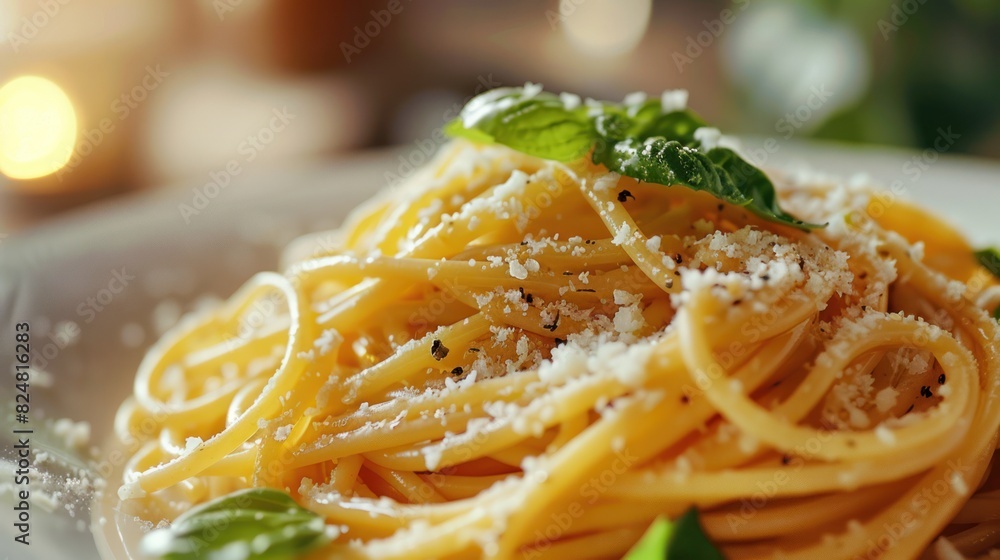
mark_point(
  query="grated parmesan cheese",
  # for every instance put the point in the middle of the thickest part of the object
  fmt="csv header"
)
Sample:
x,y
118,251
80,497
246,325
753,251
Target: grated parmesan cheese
x,y
281,434
885,399
885,435
622,235
673,100
570,100
75,435
517,270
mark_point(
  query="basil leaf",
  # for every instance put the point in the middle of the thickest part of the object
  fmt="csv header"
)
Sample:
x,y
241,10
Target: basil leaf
x,y
682,539
690,541
253,524
753,183
989,259
638,140
720,172
538,124
653,544
668,162
651,121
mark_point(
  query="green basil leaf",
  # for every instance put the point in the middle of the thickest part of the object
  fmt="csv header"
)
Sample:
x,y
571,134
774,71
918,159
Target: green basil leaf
x,y
638,140
651,121
753,183
990,260
653,544
610,125
253,524
720,172
455,129
537,124
690,540
682,539
668,162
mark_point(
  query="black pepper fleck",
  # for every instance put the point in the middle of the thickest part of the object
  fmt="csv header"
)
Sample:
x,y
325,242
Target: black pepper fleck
x,y
526,297
554,325
941,379
457,371
438,350
624,195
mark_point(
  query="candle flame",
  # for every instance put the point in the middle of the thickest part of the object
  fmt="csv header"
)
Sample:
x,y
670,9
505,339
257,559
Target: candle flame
x,y
37,128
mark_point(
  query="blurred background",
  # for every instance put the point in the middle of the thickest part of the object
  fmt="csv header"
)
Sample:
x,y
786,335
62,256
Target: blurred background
x,y
103,98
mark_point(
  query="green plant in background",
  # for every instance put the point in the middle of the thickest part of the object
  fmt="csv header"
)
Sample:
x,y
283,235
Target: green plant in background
x,y
899,70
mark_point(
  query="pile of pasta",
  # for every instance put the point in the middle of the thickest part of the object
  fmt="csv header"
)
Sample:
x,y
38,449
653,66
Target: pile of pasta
x,y
512,357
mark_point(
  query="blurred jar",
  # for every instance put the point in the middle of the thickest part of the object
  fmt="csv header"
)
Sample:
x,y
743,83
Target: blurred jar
x,y
290,36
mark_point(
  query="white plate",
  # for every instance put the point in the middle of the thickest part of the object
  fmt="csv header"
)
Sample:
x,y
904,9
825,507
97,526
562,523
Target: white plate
x,y
46,274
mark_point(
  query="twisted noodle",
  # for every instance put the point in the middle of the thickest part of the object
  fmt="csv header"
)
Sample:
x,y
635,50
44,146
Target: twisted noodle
x,y
511,357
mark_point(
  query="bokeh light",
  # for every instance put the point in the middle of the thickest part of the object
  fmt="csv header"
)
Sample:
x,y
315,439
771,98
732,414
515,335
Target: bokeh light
x,y
827,71
37,128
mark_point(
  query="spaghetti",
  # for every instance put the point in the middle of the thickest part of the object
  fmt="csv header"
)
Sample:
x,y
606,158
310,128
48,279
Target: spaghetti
x,y
512,357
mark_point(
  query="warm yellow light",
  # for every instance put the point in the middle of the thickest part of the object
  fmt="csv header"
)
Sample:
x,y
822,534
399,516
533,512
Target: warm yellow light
x,y
37,128
605,27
